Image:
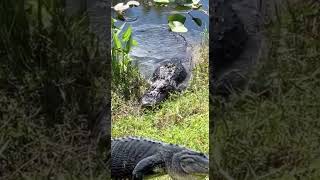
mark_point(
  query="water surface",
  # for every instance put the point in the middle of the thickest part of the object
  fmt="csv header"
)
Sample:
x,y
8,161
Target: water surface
x,y
156,43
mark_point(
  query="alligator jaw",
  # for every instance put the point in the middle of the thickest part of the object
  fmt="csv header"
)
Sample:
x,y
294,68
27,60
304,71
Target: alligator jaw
x,y
189,165
152,98
157,93
199,168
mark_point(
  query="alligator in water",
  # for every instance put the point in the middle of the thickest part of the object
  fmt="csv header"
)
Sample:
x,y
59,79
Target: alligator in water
x,y
166,79
137,158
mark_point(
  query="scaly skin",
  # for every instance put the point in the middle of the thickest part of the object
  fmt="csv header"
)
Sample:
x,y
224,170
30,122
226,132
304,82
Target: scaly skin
x,y
228,41
165,79
137,158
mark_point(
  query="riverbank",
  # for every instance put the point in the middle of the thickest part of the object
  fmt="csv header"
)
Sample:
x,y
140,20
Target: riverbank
x,y
182,119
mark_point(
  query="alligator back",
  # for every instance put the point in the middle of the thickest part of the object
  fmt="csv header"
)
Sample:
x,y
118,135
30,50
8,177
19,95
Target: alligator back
x,y
170,71
127,152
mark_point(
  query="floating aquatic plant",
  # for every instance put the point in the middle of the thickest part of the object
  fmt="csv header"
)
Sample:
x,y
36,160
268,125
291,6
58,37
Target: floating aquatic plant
x,y
121,7
176,23
163,1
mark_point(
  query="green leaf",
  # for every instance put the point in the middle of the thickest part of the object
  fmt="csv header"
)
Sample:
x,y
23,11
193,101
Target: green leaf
x,y
128,44
183,7
133,3
195,1
197,21
177,17
177,26
196,6
176,23
120,29
116,41
188,5
134,42
127,34
162,1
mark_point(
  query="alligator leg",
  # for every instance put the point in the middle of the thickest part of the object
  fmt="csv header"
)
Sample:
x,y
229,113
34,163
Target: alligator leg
x,y
146,166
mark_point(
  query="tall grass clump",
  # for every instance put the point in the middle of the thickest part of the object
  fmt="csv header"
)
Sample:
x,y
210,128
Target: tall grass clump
x,y
126,79
52,92
273,131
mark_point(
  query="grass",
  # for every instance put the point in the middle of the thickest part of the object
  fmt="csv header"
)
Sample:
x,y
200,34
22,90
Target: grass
x,y
52,78
275,135
182,119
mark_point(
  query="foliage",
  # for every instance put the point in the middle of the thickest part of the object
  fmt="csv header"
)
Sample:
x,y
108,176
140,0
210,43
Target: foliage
x,y
126,79
53,77
272,131
162,1
176,22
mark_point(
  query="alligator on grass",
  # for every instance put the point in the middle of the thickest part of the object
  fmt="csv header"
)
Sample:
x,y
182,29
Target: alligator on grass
x,y
166,79
137,158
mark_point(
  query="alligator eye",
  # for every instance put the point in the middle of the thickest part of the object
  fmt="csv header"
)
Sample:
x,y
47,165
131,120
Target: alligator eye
x,y
189,160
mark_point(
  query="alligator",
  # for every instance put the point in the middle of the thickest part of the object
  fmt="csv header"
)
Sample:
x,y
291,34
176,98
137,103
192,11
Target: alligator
x,y
228,39
238,43
165,79
137,158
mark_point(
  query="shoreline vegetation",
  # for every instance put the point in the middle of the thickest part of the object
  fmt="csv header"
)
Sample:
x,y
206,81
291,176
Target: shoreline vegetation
x,y
181,119
186,112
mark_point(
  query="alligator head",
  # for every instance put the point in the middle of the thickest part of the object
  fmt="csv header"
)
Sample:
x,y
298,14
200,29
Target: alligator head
x,y
190,165
165,79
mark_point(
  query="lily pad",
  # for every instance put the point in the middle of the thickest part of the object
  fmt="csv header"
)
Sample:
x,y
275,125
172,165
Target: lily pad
x,y
194,4
177,17
177,26
176,23
120,7
162,1
197,21
133,3
195,1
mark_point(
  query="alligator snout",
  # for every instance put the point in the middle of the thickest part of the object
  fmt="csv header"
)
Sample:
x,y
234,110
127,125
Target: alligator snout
x,y
152,98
